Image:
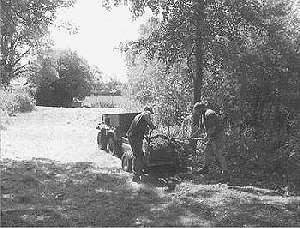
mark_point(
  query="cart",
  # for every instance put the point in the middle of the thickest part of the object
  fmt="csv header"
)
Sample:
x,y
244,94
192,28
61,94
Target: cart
x,y
112,138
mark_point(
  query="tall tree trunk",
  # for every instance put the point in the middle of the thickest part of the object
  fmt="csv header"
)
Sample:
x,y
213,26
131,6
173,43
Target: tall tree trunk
x,y
198,76
199,51
199,66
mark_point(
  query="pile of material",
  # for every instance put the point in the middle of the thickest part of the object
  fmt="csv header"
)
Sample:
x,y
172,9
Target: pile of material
x,y
159,143
185,153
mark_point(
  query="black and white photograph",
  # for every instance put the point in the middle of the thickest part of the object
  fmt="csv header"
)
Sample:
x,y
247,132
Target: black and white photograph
x,y
150,113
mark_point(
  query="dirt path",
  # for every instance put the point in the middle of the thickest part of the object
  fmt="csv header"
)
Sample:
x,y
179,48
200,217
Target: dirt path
x,y
67,181
56,133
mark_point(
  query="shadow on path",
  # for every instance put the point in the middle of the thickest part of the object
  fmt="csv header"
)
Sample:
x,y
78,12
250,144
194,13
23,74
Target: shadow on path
x,y
43,192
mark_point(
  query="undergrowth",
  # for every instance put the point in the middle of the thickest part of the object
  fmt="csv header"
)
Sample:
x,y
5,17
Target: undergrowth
x,y
252,160
16,101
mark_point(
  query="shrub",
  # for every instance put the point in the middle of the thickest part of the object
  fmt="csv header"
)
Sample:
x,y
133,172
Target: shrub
x,y
14,101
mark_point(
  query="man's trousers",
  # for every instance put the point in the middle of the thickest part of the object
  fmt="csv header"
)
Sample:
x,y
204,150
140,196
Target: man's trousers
x,y
215,148
138,155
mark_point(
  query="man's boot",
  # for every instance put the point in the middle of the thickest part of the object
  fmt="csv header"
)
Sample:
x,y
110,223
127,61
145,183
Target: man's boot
x,y
204,170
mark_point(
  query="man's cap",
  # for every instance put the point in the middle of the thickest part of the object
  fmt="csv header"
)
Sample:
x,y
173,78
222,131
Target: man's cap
x,y
149,109
199,105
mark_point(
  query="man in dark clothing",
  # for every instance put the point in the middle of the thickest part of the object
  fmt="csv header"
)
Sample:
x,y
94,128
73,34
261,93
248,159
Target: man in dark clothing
x,y
136,132
208,120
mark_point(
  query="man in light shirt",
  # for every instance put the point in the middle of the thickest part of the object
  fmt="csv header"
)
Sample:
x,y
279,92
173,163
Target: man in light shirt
x,y
207,119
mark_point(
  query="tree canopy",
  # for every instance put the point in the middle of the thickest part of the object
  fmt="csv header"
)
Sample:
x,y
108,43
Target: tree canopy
x,y
23,24
229,40
241,56
60,76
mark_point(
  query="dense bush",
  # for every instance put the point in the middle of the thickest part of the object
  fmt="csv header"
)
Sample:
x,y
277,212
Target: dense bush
x,y
14,101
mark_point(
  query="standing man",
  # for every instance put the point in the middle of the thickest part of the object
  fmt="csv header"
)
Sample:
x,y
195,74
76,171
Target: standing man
x,y
208,120
136,133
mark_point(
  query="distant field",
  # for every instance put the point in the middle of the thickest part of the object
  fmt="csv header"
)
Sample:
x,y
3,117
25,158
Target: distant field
x,y
110,102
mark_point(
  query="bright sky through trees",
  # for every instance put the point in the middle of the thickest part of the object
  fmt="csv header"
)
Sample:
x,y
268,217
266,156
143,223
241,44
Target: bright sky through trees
x,y
99,33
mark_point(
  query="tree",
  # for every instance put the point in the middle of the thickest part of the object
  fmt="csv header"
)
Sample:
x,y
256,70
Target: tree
x,y
200,31
62,75
167,89
246,53
23,24
74,73
179,37
217,37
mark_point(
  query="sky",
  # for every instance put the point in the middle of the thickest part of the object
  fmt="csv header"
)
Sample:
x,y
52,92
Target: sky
x,y
99,33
